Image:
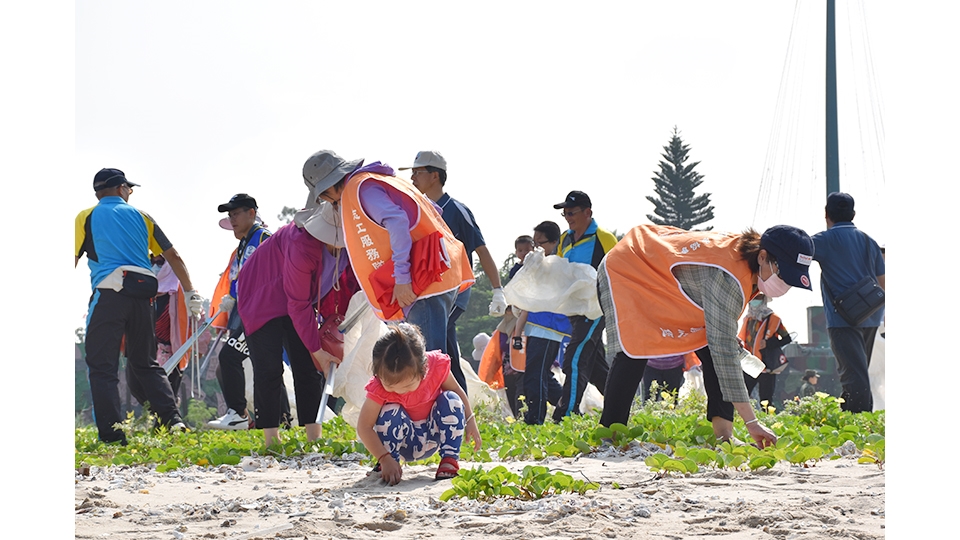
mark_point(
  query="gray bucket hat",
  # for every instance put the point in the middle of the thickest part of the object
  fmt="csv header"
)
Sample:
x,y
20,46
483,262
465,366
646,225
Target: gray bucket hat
x,y
324,169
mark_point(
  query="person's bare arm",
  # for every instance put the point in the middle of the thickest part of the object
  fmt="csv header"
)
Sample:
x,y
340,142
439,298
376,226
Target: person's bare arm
x,y
179,268
489,267
882,281
470,429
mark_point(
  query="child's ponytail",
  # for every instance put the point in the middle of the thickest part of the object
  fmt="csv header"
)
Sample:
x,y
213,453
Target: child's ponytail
x,y
399,353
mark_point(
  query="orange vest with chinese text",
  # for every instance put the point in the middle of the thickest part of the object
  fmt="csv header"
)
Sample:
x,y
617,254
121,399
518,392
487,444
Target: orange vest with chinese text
x,y
368,243
654,316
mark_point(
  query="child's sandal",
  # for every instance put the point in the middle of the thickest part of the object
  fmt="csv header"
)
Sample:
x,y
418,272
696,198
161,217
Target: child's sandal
x,y
448,468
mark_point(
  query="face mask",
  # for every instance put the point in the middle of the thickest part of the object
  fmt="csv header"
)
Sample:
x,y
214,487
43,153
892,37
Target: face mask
x,y
755,303
773,287
156,268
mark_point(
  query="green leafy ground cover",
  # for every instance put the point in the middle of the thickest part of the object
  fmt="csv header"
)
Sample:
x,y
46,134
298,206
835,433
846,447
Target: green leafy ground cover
x,y
808,430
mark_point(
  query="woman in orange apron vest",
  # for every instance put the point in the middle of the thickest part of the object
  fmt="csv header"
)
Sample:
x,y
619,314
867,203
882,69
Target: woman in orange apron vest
x,y
666,291
408,263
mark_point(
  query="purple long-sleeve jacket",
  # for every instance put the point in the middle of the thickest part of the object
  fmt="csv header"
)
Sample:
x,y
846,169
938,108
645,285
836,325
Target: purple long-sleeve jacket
x,y
286,275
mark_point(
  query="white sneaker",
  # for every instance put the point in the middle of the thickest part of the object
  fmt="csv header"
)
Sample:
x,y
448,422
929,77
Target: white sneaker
x,y
230,421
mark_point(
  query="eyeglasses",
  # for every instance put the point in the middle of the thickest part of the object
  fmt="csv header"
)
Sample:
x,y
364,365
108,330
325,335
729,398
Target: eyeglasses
x,y
538,244
567,213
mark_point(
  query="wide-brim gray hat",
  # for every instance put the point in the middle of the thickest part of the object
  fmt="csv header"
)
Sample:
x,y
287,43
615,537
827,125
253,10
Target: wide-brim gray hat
x,y
324,169
322,222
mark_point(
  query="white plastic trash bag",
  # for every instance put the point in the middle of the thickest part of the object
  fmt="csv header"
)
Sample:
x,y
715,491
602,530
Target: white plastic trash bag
x,y
692,383
877,369
355,371
556,285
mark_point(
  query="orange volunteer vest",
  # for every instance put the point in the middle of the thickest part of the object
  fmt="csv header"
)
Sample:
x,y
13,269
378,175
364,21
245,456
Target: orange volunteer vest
x,y
368,243
654,316
766,329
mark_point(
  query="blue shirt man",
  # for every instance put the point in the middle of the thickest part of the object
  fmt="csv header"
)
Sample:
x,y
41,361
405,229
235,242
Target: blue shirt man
x,y
584,360
429,175
846,255
118,241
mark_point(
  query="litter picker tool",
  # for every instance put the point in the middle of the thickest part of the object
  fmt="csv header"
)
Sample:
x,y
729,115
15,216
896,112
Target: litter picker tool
x,y
172,362
349,321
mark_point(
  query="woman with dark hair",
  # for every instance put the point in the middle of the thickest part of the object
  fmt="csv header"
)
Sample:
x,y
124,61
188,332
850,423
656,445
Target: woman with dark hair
x,y
666,291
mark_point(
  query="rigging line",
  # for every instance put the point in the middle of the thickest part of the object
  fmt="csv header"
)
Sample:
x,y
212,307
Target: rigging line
x,y
856,94
876,101
774,136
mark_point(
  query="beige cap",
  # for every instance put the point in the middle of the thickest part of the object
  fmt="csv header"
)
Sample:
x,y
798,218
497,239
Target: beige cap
x,y
428,158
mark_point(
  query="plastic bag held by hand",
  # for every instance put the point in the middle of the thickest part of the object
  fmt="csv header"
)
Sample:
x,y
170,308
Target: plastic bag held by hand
x,y
499,303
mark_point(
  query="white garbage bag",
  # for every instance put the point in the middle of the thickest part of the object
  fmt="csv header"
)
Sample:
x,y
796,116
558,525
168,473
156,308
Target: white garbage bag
x,y
556,285
355,371
877,369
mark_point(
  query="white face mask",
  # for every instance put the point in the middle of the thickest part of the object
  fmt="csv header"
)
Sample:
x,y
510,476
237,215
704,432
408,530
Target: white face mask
x,y
773,287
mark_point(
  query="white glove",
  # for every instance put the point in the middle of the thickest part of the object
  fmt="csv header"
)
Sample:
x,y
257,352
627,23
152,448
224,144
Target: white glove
x,y
227,303
194,302
499,303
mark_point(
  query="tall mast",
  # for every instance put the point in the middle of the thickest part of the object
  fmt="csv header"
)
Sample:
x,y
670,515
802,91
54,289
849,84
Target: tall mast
x,y
833,146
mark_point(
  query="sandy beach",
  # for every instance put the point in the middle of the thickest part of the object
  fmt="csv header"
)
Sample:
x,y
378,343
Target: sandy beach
x,y
313,497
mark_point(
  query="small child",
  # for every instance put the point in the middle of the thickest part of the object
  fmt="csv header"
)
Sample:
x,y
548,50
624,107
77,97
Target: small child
x,y
414,407
521,246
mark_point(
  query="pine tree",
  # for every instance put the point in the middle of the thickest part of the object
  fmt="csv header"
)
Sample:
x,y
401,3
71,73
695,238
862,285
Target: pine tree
x,y
675,203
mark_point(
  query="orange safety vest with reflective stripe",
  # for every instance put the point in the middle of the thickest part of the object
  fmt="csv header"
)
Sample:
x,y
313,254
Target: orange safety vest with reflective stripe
x,y
222,289
368,243
767,329
654,316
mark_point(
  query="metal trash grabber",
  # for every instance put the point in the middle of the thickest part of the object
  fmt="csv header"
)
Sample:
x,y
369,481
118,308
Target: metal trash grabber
x,y
174,359
344,327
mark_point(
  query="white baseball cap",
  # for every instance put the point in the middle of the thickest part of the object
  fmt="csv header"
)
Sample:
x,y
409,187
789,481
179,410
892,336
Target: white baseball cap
x,y
428,158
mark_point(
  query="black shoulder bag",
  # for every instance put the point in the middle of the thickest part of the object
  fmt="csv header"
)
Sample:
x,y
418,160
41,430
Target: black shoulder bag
x,y
859,302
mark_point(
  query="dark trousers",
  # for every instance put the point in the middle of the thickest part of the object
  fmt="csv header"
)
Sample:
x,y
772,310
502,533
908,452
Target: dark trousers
x,y
852,347
583,362
539,384
266,353
667,380
453,349
233,380
621,388
716,406
111,317
767,382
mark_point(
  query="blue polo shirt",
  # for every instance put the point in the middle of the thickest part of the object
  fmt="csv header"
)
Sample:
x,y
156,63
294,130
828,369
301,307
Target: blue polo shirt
x,y
590,248
846,255
462,224
113,234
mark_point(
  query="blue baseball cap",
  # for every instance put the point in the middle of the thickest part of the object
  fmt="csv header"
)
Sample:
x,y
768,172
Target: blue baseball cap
x,y
793,250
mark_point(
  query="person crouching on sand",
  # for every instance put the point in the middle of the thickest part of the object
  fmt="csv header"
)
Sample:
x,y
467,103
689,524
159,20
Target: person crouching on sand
x,y
414,407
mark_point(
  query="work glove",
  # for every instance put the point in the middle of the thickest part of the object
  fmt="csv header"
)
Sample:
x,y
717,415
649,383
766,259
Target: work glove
x,y
227,303
499,304
194,302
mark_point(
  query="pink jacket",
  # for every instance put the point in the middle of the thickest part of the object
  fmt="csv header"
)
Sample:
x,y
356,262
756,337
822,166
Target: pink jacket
x,y
283,277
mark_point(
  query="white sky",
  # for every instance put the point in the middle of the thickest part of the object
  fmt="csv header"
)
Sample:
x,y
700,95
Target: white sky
x,y
197,101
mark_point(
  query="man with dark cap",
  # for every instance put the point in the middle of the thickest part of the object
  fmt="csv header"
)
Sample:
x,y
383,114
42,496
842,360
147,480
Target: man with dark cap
x,y
248,228
584,360
847,255
119,240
